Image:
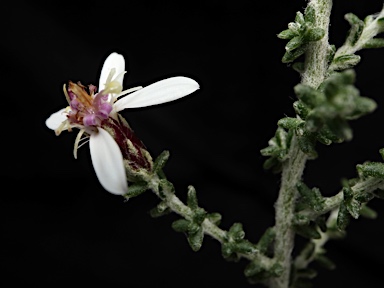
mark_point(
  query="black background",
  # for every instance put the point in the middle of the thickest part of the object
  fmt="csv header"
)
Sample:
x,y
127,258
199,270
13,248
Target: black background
x,y
60,227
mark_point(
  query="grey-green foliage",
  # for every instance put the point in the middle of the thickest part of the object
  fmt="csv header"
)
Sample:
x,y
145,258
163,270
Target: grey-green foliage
x,y
355,201
299,34
193,226
313,200
278,148
345,61
234,243
323,113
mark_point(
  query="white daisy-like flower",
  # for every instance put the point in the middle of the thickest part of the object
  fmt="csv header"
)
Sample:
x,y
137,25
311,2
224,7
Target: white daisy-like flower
x,y
88,109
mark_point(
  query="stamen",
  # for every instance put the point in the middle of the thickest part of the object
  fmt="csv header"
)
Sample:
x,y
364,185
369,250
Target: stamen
x,y
81,95
61,127
129,91
66,94
78,138
86,140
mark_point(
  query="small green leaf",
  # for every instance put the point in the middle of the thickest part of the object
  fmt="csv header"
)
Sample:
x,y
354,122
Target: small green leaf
x,y
215,218
363,106
195,239
301,109
136,189
244,247
313,34
287,34
308,250
371,169
336,81
307,144
294,43
357,27
325,262
368,212
272,162
380,23
343,217
310,96
345,62
299,18
236,232
310,14
298,67
331,52
289,122
192,198
160,210
321,221
290,56
381,151
227,252
312,196
266,240
281,138
340,128
252,269
199,215
160,161
301,219
308,231
295,27
353,206
326,136
181,225
314,121
270,151
374,43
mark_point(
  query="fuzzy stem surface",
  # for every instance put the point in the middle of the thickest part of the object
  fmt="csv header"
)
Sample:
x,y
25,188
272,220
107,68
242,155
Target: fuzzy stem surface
x,y
315,68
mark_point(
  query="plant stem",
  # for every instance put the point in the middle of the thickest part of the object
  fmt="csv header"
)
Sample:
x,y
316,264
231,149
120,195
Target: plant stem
x,y
285,205
366,186
316,55
209,228
313,75
369,31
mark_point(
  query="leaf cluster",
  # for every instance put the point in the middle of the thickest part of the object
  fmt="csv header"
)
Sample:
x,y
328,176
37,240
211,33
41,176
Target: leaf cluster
x,y
346,61
323,113
299,34
254,271
355,200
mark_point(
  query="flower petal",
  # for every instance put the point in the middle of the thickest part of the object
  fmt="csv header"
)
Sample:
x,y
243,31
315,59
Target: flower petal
x,y
157,93
56,119
108,163
116,61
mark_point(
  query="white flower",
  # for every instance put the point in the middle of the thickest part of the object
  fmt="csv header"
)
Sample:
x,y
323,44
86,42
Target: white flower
x,y
87,109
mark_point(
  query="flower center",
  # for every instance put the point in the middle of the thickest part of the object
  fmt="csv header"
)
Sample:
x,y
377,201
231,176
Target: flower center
x,y
87,108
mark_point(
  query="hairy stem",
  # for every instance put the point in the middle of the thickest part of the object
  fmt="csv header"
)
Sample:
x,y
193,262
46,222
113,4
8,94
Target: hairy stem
x,y
366,186
285,206
209,228
313,75
316,54
369,31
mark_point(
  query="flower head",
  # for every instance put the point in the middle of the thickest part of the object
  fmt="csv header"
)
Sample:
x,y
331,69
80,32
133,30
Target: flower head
x,y
117,154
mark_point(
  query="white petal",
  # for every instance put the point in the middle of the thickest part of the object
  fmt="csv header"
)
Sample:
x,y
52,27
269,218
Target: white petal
x,y
108,163
157,93
116,61
54,121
